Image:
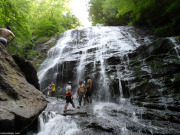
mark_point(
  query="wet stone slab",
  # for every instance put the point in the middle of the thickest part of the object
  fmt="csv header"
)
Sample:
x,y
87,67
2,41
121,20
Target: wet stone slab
x,y
107,118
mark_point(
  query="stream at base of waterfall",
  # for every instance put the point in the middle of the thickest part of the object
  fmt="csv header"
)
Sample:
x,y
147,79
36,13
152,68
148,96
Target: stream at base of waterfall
x,y
102,118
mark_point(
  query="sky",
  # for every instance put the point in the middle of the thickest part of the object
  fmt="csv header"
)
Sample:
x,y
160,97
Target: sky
x,y
80,10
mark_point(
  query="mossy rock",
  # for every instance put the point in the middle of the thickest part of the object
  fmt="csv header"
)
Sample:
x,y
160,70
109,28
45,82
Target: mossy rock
x,y
51,44
135,63
156,64
154,57
38,62
142,82
84,123
41,40
60,96
136,68
81,114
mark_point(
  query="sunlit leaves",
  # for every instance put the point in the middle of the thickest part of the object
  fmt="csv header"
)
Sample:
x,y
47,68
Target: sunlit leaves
x,y
40,17
162,16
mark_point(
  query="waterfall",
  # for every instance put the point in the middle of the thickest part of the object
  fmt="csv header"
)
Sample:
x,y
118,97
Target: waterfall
x,y
85,52
52,124
127,88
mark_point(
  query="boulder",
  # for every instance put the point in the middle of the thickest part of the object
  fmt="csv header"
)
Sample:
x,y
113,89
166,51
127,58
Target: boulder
x,y
28,70
20,102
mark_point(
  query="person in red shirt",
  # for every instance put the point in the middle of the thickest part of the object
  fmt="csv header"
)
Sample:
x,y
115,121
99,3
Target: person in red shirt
x,y
68,96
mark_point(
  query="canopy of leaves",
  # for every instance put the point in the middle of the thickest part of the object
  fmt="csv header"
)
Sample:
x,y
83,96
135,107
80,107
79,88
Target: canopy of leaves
x,y
162,16
31,19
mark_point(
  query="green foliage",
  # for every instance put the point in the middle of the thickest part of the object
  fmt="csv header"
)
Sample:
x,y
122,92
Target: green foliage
x,y
31,54
46,27
95,12
161,15
15,13
40,18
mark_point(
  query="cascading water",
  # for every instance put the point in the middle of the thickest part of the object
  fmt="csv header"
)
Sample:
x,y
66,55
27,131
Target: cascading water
x,y
86,47
102,54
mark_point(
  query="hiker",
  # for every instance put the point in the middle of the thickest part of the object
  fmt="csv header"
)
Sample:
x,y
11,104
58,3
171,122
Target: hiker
x,y
68,93
53,89
89,91
49,91
4,35
80,93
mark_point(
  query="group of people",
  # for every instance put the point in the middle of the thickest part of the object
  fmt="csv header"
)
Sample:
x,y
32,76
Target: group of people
x,y
50,90
84,92
5,33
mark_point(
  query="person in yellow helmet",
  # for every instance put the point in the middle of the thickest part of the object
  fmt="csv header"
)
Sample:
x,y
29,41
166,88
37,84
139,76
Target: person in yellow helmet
x,y
52,89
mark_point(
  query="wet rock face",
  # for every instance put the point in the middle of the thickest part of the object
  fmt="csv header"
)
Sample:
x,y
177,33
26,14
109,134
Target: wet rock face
x,y
125,64
136,71
107,118
20,102
28,70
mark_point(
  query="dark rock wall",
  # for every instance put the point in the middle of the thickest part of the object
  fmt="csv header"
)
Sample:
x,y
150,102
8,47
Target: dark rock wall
x,y
28,70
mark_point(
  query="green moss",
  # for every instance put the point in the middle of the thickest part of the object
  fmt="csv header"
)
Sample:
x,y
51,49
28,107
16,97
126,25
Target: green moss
x,y
82,115
41,40
69,110
142,82
156,63
35,62
135,62
136,67
137,76
94,123
177,61
109,76
84,123
177,78
61,96
50,44
91,70
38,62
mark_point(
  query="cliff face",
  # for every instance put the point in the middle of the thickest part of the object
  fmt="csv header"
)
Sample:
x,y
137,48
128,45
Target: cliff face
x,y
20,102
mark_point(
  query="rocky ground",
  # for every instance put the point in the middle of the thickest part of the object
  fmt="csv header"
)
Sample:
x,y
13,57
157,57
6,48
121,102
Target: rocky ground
x,y
106,118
